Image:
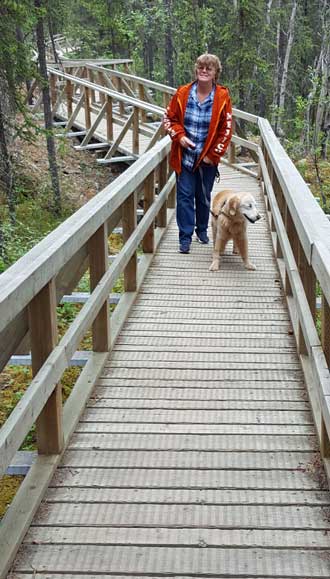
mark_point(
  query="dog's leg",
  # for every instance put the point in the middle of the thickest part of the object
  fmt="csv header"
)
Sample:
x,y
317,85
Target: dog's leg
x,y
214,230
242,245
235,248
219,249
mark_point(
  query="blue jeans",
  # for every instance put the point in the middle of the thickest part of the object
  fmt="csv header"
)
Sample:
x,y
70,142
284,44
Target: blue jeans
x,y
190,195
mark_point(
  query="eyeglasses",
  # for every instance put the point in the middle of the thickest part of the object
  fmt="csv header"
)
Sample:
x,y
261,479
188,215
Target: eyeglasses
x,y
203,66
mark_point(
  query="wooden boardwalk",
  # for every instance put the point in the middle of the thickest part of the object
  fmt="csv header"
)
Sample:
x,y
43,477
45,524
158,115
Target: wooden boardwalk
x,y
197,454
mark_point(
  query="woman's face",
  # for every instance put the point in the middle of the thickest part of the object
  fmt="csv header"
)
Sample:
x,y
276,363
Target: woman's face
x,y
205,73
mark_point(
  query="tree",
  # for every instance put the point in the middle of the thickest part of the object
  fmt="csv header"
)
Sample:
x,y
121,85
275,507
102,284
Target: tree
x,y
40,14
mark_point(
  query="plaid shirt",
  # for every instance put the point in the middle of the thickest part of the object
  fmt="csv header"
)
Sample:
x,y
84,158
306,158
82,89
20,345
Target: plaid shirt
x,y
196,124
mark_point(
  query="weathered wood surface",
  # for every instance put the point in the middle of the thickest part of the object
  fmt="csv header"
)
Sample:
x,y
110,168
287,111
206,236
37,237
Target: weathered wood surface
x,y
196,454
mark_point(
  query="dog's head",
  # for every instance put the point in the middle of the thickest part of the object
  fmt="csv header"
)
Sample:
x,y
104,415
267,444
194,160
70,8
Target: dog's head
x,y
242,205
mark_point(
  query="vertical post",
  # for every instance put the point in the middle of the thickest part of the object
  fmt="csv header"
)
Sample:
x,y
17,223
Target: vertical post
x,y
308,279
142,98
43,336
324,441
69,97
148,242
121,103
102,96
52,82
162,215
290,229
129,223
166,99
98,265
325,341
325,328
90,76
232,149
87,109
280,199
135,131
109,119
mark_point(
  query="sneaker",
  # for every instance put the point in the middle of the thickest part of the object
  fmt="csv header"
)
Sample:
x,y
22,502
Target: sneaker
x,y
202,237
184,248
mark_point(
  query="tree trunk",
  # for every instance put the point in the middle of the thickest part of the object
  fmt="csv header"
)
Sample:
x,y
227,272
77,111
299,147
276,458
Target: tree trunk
x,y
169,43
322,128
286,65
278,66
47,108
6,171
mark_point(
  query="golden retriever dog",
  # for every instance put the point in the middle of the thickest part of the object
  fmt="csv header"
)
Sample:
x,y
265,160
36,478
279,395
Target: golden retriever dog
x,y
231,212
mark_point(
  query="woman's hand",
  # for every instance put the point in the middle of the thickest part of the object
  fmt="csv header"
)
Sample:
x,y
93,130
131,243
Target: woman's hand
x,y
187,143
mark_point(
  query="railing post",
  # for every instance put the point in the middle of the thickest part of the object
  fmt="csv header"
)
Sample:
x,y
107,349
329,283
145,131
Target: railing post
x,y
232,148
121,103
290,229
148,243
87,109
43,337
52,82
102,96
90,76
109,119
129,223
98,265
325,341
69,97
142,97
162,178
135,131
279,199
166,99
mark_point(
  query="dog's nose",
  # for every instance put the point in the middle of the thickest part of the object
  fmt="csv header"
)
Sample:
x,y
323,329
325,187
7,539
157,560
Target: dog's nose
x,y
258,216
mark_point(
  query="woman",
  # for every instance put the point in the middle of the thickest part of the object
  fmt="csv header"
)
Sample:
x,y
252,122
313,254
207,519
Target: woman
x,y
198,120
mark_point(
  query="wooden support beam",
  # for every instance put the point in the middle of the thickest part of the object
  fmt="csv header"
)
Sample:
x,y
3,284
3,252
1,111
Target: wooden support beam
x,y
75,113
129,222
43,338
52,83
109,118
135,136
94,126
69,97
98,265
162,179
142,97
232,148
149,197
325,329
120,137
88,121
156,136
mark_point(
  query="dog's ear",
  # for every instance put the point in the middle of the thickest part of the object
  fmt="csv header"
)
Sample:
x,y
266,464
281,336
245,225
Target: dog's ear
x,y
233,204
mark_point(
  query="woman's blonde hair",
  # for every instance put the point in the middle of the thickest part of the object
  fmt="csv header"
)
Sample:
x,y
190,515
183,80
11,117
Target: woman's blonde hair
x,y
209,60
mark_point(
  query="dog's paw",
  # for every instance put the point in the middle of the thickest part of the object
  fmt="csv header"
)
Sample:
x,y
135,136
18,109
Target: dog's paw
x,y
250,266
215,266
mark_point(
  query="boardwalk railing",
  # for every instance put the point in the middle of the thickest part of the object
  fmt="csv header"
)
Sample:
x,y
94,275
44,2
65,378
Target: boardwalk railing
x,y
29,293
30,289
301,237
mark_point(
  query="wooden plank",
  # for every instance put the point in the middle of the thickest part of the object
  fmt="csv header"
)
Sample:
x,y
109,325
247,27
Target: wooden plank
x,y
276,538
166,561
208,442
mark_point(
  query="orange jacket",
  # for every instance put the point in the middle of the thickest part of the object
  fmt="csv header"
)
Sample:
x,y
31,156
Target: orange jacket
x,y
220,129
